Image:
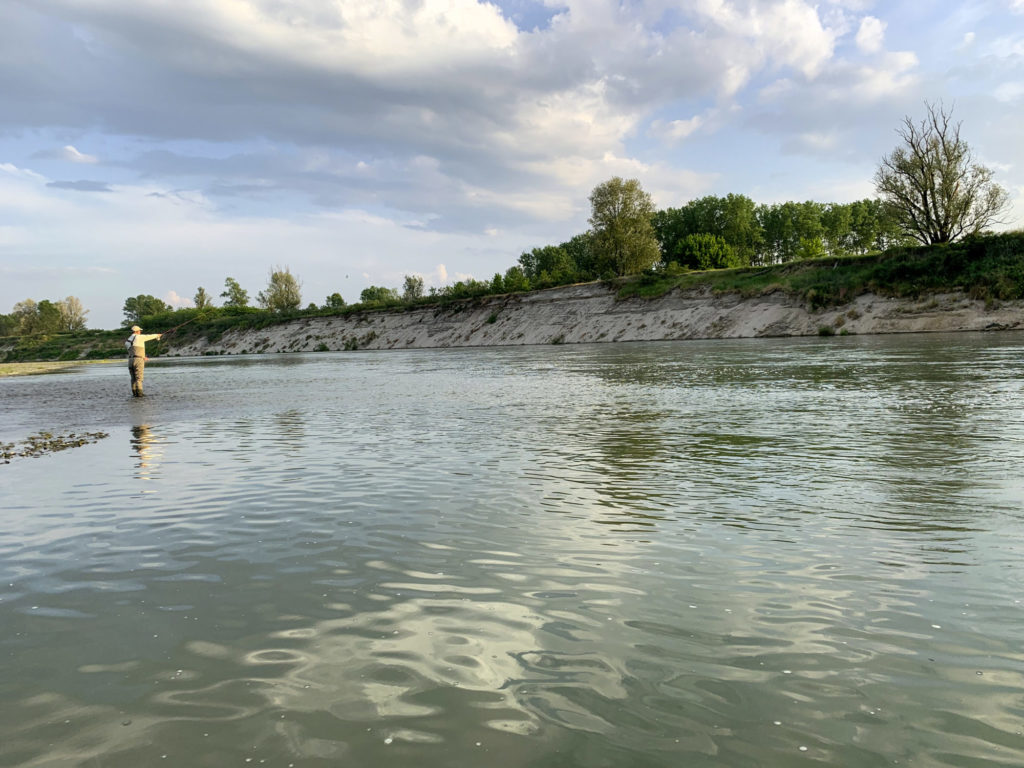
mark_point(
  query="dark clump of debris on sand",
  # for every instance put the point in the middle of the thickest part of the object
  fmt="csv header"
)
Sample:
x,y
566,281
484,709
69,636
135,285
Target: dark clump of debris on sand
x,y
44,443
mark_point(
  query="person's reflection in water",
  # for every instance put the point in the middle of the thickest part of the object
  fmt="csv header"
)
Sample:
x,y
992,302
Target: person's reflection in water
x,y
145,447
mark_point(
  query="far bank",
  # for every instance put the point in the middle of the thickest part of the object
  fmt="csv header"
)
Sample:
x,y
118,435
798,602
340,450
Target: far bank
x,y
973,285
593,313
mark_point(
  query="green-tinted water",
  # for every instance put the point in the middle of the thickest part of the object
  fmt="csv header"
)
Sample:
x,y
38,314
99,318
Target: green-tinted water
x,y
755,553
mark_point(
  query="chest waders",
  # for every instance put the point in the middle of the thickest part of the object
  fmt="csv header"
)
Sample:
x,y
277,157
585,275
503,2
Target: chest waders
x,y
136,366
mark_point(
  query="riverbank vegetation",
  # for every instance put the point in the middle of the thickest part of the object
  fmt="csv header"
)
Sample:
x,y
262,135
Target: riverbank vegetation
x,y
931,192
986,267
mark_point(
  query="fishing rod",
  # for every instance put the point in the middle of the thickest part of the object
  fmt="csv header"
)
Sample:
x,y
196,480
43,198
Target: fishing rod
x,y
200,316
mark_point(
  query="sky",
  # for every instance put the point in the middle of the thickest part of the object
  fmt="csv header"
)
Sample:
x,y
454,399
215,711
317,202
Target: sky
x,y
156,146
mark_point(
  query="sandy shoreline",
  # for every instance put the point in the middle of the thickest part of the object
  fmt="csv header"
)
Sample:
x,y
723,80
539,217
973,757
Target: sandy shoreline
x,y
28,369
590,313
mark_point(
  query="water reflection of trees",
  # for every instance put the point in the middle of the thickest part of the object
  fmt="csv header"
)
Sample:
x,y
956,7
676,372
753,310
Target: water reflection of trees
x,y
618,458
290,429
927,442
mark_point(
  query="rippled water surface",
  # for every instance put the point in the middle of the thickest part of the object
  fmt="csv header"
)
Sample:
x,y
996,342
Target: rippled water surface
x,y
750,553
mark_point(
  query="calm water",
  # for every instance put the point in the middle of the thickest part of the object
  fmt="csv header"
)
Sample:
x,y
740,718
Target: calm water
x,y
752,553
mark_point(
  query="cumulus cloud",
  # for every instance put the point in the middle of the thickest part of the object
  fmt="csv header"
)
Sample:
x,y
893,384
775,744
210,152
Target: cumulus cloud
x,y
382,137
676,130
871,35
370,87
176,301
789,33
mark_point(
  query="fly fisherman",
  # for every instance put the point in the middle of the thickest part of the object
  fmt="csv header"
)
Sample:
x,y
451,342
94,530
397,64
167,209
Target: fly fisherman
x,y
136,344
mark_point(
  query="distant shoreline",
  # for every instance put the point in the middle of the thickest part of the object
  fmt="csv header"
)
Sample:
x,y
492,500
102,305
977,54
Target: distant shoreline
x,y
592,312
29,369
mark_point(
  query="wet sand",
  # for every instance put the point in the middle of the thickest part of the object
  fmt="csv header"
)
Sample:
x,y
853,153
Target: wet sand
x,y
28,369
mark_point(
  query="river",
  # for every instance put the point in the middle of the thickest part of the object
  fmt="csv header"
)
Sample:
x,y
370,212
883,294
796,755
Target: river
x,y
733,553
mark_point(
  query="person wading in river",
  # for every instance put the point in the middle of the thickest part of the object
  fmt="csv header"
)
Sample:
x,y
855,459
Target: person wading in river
x,y
136,344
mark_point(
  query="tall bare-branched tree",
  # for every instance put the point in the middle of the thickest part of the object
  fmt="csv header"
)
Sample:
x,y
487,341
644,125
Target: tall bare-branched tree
x,y
932,184
72,314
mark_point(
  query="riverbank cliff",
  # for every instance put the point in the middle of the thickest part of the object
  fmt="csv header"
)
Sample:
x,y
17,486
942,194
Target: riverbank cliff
x,y
592,312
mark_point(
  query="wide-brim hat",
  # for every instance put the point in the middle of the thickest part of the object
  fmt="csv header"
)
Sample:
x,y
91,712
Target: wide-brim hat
x,y
136,328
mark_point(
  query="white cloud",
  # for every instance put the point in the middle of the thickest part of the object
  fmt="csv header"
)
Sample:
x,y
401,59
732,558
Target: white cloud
x,y
871,34
819,141
376,38
895,73
380,137
789,32
676,130
73,155
176,301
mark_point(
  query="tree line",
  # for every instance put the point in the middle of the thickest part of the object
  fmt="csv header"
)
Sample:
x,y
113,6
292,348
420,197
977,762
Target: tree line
x,y
930,190
31,316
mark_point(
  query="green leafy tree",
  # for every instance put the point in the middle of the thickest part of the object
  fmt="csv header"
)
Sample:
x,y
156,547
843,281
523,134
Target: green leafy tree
x,y
620,218
811,248
412,288
283,291
786,225
72,314
739,228
837,226
24,314
581,251
873,227
234,295
706,251
143,305
732,218
515,280
37,317
465,289
202,299
932,184
334,301
376,294
9,325
49,317
551,261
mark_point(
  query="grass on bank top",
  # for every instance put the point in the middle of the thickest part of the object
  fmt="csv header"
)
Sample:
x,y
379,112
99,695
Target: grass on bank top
x,y
990,268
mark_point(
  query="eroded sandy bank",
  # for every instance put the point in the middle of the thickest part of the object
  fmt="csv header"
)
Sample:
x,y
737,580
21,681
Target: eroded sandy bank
x,y
591,313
